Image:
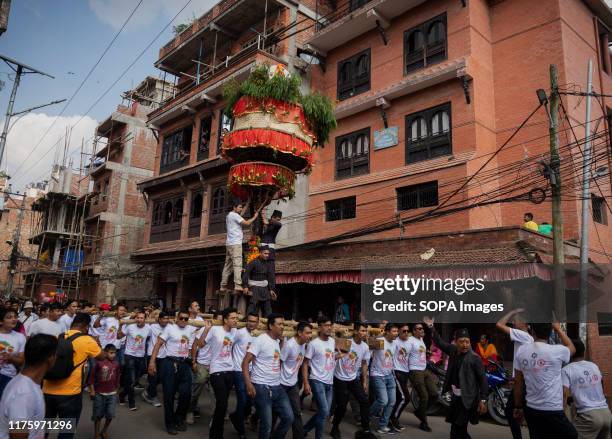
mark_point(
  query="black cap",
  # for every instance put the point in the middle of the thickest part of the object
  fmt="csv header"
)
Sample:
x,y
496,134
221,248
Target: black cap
x,y
462,333
277,213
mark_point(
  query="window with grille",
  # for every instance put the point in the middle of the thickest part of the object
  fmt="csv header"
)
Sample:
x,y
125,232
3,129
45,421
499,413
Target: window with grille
x,y
225,126
340,209
604,323
219,207
204,138
166,219
175,149
354,75
425,44
195,215
428,134
417,196
598,209
353,154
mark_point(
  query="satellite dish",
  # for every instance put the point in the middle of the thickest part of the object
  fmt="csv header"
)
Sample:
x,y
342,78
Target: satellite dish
x,y
309,58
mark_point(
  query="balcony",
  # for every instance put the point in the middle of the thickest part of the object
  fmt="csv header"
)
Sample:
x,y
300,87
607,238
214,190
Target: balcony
x,y
236,67
352,18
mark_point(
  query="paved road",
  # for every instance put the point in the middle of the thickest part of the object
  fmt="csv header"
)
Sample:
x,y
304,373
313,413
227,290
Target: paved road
x,y
148,422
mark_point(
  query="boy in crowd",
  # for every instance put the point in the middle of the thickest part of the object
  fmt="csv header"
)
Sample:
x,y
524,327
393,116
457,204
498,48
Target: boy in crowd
x,y
23,398
583,381
103,388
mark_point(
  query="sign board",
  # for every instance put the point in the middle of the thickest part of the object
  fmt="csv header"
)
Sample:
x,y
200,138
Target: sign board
x,y
386,137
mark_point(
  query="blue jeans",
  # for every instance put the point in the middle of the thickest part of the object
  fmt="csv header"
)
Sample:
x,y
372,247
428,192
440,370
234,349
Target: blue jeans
x,y
267,400
243,403
383,389
322,394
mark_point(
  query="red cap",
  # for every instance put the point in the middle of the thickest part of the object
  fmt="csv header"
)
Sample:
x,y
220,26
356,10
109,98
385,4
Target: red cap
x,y
105,307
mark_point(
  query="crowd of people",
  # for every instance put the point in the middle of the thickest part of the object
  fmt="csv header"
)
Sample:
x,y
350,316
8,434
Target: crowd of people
x,y
49,357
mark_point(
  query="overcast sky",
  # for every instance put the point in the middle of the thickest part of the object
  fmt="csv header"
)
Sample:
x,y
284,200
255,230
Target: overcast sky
x,y
65,38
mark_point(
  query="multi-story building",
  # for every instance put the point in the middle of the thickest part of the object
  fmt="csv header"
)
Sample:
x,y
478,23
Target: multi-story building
x,y
187,196
429,92
114,224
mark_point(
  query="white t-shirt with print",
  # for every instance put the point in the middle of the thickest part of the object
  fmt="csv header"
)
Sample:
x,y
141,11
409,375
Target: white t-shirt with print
x,y
417,354
196,331
45,326
292,357
242,340
156,329
583,379
382,360
22,400
221,343
107,333
203,352
400,354
11,343
349,365
136,339
541,365
233,225
177,340
519,337
322,359
267,362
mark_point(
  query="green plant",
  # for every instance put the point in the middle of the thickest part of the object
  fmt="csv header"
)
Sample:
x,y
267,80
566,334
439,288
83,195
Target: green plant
x,y
318,109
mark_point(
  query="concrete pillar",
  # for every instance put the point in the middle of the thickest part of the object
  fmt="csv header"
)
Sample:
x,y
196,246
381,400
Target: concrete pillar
x,y
56,255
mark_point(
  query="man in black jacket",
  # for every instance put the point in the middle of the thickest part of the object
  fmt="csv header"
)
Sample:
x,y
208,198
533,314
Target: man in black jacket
x,y
465,378
258,281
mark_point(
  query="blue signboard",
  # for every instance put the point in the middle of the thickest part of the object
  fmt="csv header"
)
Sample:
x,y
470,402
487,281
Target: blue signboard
x,y
386,137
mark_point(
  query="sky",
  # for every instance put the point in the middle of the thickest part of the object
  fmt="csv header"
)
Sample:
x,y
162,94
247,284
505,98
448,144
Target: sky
x,y
65,38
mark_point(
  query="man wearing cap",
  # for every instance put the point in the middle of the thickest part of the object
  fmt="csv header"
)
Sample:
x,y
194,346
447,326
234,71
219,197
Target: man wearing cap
x,y
259,283
233,245
268,237
27,317
465,378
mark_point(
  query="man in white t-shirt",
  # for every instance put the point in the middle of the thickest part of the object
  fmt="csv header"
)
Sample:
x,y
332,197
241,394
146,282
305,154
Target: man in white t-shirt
x,y
220,340
150,393
66,320
538,365
321,358
263,382
242,341
27,316
583,381
292,357
23,399
347,380
136,335
233,245
174,373
50,324
401,369
382,381
108,328
519,334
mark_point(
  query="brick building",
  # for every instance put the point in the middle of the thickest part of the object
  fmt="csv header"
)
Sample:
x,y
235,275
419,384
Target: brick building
x,y
426,93
114,223
184,239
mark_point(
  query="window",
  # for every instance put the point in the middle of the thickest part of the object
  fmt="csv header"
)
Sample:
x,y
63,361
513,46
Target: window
x,y
105,189
354,75
195,216
604,47
428,134
417,196
225,126
175,149
425,44
353,154
166,219
598,209
341,209
219,207
204,138
604,323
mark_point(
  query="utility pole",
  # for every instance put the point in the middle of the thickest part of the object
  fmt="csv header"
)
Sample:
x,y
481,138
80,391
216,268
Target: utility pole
x,y
557,217
20,70
15,254
584,226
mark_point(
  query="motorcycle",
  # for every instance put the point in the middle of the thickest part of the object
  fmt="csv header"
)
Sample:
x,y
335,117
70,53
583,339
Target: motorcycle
x,y
500,383
443,400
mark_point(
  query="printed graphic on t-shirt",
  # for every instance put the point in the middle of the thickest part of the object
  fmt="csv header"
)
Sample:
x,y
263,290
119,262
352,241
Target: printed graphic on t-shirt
x,y
183,349
388,360
536,364
402,356
6,347
350,362
329,359
226,350
107,373
276,361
